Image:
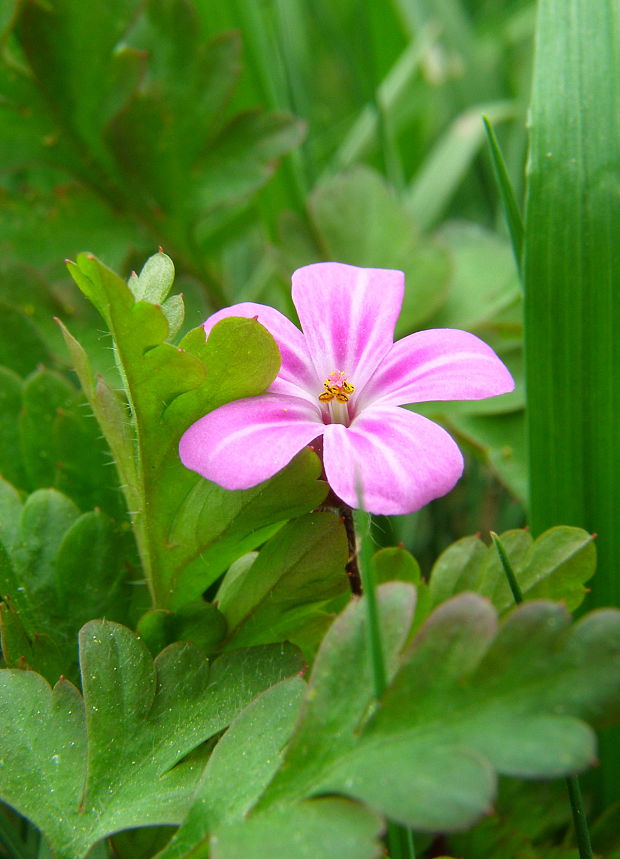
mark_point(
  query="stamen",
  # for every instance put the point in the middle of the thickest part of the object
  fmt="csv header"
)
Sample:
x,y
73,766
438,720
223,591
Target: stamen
x,y
337,387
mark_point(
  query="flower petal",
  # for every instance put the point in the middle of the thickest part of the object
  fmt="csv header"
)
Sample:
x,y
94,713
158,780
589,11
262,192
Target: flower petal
x,y
296,375
401,459
438,364
245,442
348,316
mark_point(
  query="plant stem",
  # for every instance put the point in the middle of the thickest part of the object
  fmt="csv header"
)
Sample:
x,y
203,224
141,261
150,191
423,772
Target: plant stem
x,y
400,838
580,821
352,567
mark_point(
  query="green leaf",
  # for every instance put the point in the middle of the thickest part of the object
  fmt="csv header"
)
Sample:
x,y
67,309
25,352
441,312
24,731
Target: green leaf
x,y
22,347
57,569
155,280
512,212
44,393
188,531
555,566
81,769
572,283
394,563
300,568
241,765
11,466
340,692
357,219
199,622
571,271
298,832
469,700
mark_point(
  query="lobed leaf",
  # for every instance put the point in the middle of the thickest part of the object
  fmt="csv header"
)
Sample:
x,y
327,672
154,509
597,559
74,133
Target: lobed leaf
x,y
188,530
83,768
555,566
468,700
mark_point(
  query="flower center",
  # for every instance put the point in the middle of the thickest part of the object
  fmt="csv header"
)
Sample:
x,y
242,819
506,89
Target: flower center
x,y
337,391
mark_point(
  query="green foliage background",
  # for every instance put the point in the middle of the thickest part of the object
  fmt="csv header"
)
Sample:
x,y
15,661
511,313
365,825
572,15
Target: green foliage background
x,y
245,139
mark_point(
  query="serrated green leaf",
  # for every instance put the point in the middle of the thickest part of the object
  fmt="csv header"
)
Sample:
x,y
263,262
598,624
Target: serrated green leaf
x,y
300,568
555,566
188,531
340,692
468,700
81,769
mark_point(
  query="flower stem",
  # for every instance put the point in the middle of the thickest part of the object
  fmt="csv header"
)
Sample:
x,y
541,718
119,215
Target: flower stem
x,y
400,838
352,567
580,821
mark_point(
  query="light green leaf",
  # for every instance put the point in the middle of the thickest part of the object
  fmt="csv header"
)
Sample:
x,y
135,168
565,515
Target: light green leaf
x,y
241,765
155,280
394,563
188,531
82,769
555,566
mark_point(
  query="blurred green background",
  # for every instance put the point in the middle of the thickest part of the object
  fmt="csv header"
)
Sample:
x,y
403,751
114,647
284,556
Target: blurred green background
x,y
248,138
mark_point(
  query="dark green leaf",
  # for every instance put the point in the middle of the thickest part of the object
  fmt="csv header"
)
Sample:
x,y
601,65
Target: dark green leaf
x,y
22,347
11,466
468,700
300,568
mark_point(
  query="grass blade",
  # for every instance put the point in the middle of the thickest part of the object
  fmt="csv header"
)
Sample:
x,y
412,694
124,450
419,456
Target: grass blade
x,y
572,278
512,212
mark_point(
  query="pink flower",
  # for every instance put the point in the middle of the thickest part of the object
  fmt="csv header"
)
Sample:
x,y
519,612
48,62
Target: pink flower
x,y
344,378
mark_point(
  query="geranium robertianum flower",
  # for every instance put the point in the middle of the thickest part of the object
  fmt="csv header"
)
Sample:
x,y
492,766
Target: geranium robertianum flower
x,y
344,378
